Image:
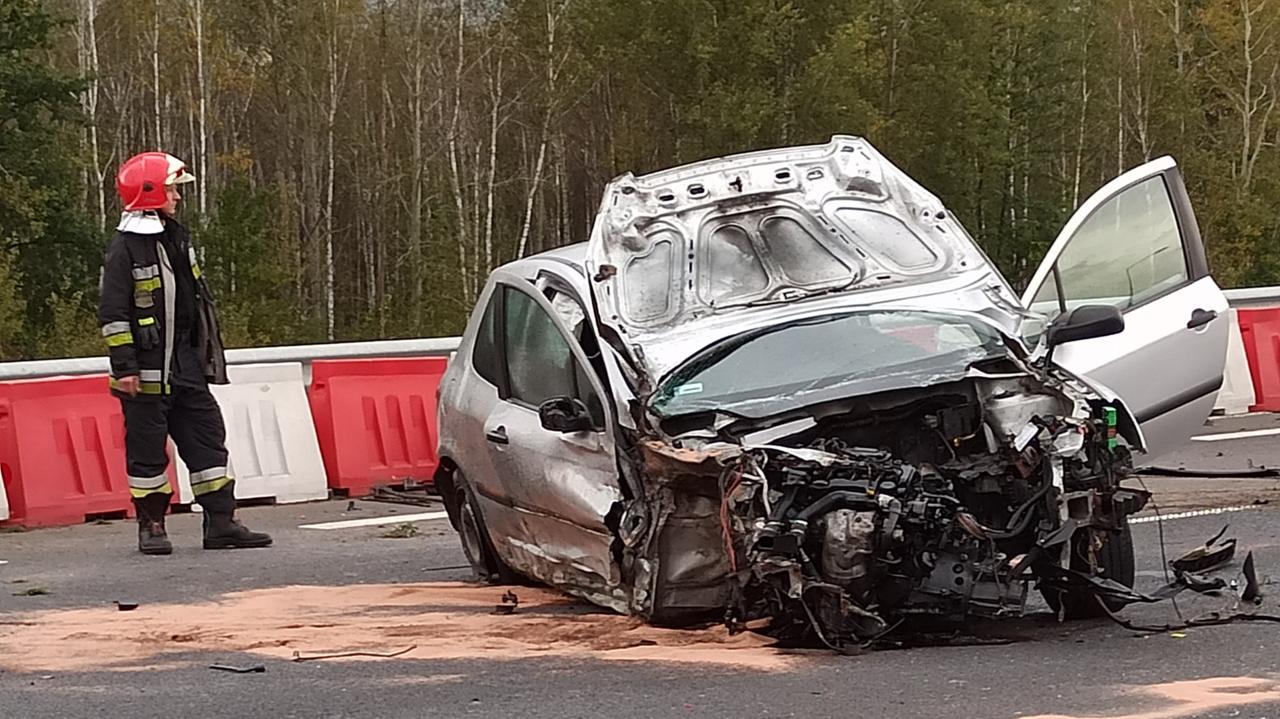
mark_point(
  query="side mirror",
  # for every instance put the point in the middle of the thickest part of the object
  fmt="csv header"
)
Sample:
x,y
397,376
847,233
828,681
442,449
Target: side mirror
x,y
565,414
1083,323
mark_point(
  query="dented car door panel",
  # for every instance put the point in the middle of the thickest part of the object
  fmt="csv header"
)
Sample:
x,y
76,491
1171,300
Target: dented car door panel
x,y
561,485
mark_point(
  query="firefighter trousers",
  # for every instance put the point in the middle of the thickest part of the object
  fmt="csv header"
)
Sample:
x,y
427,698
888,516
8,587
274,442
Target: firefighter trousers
x,y
191,416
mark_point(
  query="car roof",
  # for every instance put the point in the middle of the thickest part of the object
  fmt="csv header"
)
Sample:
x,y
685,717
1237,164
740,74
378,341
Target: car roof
x,y
574,256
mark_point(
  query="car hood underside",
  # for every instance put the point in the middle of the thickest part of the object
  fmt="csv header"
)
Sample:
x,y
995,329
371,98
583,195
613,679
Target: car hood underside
x,y
683,257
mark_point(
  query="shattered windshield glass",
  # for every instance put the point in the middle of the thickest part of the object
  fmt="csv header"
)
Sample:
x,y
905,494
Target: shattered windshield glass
x,y
766,371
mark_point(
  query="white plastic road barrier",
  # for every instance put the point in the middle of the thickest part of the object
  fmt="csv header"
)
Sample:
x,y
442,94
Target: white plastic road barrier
x,y
1236,395
4,500
270,436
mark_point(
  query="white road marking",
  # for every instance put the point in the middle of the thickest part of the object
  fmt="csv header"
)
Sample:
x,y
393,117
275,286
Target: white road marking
x,y
1195,513
377,521
1224,436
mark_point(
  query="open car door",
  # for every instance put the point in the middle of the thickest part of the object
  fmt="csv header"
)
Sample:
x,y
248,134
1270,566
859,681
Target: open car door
x,y
1135,245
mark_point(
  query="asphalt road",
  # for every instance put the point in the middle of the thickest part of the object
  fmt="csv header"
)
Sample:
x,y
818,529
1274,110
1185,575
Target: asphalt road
x,y
1234,455
1080,669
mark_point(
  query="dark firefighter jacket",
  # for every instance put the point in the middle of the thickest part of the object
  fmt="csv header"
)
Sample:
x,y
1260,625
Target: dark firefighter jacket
x,y
139,301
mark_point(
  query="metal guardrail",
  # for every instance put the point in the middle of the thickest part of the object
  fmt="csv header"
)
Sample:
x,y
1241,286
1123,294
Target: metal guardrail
x,y
432,347
1253,297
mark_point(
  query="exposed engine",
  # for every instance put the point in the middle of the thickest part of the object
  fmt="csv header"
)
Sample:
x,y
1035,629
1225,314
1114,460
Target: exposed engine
x,y
856,526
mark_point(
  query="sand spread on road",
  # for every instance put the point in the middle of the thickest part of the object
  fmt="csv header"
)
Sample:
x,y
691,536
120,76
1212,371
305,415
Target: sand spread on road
x,y
1195,697
445,620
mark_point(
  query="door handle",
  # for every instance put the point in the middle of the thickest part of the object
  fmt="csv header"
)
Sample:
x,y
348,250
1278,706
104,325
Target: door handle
x,y
1200,318
498,435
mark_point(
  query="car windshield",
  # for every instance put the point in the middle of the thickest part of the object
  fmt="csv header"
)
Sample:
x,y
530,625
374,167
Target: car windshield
x,y
758,373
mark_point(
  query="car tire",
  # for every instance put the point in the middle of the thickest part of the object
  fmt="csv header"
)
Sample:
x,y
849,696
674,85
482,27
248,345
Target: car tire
x,y
474,536
1115,561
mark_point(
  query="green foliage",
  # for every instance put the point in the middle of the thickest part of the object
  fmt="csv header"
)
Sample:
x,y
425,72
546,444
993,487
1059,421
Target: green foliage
x,y
49,242
1011,111
246,267
12,308
72,328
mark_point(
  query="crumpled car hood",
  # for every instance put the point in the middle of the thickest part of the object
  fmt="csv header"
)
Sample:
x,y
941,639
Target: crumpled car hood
x,y
684,257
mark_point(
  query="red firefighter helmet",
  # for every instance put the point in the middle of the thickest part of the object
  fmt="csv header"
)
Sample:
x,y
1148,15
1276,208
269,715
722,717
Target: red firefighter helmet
x,y
142,179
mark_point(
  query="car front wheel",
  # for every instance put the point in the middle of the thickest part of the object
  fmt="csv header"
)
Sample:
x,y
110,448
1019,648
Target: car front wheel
x,y
1115,562
473,534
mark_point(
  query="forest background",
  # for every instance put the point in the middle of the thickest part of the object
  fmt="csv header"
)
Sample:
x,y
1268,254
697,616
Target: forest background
x,y
363,164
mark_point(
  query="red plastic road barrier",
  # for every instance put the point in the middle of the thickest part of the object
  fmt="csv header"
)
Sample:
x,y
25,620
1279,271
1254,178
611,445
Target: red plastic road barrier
x,y
62,451
376,420
1260,330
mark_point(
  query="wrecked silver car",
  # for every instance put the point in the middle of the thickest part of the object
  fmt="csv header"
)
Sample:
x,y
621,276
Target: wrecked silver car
x,y
789,386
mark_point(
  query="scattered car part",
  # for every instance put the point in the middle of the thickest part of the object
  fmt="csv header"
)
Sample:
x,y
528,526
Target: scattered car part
x,y
254,669
1246,473
509,603
418,496
300,657
1252,591
1208,556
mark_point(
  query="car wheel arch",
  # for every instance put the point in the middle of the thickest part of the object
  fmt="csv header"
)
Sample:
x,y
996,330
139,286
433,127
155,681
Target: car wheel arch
x,y
445,486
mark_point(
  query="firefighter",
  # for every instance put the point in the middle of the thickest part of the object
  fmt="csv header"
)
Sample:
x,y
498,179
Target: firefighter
x,y
161,330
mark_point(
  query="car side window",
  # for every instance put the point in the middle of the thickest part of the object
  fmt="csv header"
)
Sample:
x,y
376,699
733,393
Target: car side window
x,y
484,352
540,363
574,317
1128,251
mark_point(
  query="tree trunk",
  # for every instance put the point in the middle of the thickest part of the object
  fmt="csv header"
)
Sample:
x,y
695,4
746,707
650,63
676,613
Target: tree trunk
x,y
1084,115
329,179
495,105
468,282
552,73
1141,111
158,137
1119,124
1256,103
88,52
202,149
415,213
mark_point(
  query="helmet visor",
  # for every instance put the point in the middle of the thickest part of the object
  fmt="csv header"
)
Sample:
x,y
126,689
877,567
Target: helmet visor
x,y
177,174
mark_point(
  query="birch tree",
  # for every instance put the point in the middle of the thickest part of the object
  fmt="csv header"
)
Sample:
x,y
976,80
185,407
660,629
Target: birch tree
x,y
202,108
554,58
87,44
1244,70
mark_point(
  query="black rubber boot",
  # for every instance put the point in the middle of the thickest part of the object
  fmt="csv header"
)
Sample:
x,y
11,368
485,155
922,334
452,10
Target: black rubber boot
x,y
221,529
152,537
224,531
